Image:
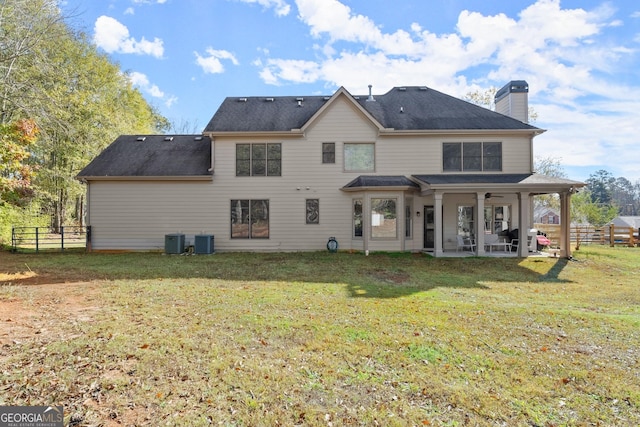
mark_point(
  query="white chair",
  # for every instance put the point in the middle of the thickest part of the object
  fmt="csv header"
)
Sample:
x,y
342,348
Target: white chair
x,y
465,242
532,240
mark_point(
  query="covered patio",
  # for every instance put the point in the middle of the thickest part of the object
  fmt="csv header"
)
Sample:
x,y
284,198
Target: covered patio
x,y
493,212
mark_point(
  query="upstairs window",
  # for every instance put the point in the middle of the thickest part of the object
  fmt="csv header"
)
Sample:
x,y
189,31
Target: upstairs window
x,y
472,156
258,159
328,152
359,157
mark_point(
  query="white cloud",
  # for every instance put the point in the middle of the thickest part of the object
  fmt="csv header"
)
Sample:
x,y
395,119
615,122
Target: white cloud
x,y
281,7
170,101
114,37
142,81
129,11
212,63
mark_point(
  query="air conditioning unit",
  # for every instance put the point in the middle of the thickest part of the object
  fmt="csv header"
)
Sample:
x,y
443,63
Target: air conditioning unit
x,y
204,244
174,243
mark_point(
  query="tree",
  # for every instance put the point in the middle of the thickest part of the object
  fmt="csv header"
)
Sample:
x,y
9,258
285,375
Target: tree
x,y
89,103
623,194
15,172
549,166
79,100
601,185
585,211
25,24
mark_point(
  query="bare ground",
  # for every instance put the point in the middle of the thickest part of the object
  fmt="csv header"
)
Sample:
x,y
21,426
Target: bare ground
x,y
33,307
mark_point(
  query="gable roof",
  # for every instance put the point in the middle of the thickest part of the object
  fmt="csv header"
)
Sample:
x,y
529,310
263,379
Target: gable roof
x,y
411,108
152,156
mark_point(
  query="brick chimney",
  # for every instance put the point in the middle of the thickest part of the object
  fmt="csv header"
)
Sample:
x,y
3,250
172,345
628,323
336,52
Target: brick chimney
x,y
513,100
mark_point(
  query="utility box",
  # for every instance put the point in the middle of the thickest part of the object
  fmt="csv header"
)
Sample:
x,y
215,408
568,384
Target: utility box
x,y
174,243
204,244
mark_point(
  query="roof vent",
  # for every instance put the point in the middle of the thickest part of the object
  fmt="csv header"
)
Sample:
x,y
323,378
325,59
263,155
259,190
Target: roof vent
x,y
197,138
402,89
402,109
370,98
141,138
242,99
299,103
168,138
326,98
299,99
423,88
269,99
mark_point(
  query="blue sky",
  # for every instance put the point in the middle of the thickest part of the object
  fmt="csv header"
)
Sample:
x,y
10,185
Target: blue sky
x,y
581,58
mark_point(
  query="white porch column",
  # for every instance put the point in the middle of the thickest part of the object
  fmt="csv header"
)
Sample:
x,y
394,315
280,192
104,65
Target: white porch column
x,y
479,228
565,225
524,223
437,207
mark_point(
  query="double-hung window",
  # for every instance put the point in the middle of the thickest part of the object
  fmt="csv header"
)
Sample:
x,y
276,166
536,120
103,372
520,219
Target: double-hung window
x,y
472,156
328,152
258,159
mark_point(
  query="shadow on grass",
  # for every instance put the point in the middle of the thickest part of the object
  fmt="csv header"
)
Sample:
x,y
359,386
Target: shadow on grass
x,y
383,275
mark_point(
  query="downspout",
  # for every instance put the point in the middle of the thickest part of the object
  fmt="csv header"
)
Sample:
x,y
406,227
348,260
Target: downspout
x,y
213,151
366,221
89,237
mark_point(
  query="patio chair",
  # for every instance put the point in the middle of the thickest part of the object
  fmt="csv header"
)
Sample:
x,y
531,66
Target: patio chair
x,y
465,242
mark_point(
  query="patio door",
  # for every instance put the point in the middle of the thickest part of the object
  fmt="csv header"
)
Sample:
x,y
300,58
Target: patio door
x,y
429,227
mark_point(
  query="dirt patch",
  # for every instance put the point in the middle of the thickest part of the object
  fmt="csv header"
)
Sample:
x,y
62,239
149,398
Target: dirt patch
x,y
31,310
392,277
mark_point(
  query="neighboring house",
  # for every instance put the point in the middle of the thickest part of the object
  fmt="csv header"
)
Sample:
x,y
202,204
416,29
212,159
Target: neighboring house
x,y
545,215
405,171
627,221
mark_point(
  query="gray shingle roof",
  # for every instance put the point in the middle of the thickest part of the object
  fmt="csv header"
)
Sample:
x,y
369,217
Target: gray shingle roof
x,y
152,155
381,181
473,178
507,178
402,108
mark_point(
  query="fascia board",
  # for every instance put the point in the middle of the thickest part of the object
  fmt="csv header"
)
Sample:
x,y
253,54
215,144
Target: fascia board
x,y
451,132
145,178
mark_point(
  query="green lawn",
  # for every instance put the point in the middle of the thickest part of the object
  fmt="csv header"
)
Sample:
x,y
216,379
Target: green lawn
x,y
319,339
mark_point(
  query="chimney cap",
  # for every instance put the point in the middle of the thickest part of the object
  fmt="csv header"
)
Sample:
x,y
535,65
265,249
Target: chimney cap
x,y
514,86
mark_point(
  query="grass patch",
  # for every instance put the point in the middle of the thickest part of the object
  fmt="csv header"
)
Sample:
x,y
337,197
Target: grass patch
x,y
319,338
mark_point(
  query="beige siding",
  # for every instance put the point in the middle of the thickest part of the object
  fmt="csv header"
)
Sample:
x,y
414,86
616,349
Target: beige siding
x,y
137,215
